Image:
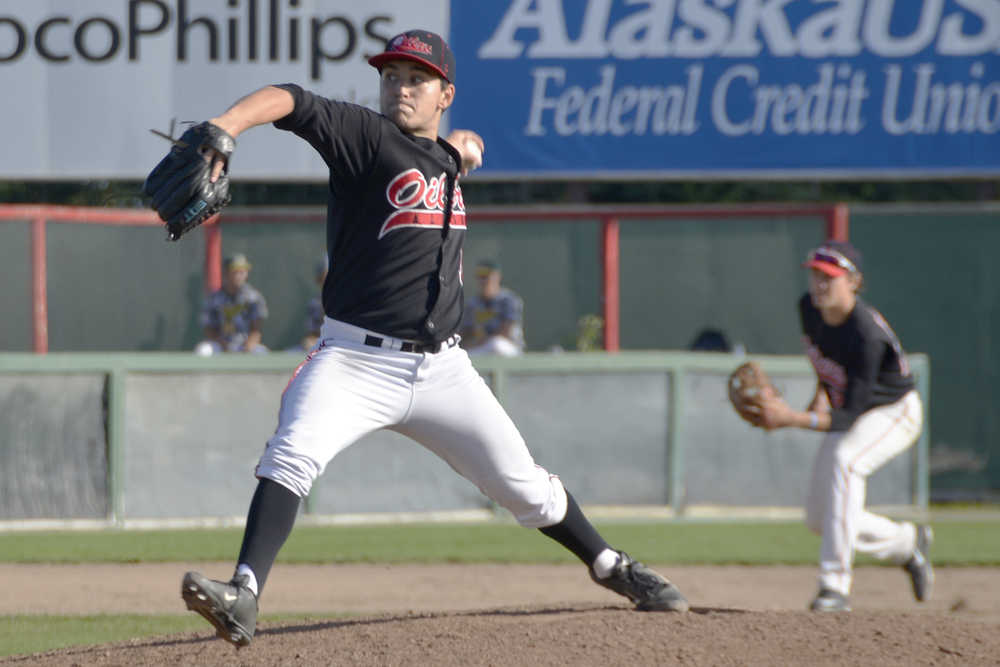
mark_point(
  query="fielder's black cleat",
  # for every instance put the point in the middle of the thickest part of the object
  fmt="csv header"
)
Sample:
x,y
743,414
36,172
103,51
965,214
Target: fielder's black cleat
x,y
919,566
231,607
649,590
829,600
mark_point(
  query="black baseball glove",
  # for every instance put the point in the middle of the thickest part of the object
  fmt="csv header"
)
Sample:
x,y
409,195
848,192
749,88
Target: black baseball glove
x,y
180,187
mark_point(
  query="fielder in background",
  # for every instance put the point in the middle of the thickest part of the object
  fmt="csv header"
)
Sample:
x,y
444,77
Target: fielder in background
x,y
231,316
388,355
314,309
867,403
493,322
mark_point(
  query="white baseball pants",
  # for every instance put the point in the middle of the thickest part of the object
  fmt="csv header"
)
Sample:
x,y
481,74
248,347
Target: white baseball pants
x,y
836,505
346,389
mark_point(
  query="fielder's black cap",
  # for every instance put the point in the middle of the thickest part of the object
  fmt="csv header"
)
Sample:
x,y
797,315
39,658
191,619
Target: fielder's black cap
x,y
420,46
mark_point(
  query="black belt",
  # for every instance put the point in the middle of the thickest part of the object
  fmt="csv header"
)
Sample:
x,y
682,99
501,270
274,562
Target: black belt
x,y
407,346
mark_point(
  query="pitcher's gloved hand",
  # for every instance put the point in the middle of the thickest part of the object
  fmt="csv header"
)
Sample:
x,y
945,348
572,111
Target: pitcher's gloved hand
x,y
180,186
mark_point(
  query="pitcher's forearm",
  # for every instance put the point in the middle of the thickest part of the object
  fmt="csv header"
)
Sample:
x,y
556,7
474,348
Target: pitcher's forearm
x,y
259,107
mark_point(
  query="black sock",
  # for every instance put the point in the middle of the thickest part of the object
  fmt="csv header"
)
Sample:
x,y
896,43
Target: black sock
x,y
577,534
269,522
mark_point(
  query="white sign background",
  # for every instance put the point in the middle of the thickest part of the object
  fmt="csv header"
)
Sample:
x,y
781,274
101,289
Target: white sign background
x,y
84,81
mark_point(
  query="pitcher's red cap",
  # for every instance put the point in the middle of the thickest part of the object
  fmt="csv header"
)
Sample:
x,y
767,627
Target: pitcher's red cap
x,y
420,46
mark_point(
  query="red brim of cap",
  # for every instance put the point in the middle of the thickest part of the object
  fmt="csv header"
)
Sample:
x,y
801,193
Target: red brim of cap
x,y
831,270
380,59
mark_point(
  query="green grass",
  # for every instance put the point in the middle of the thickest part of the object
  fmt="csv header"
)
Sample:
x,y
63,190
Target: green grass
x,y
763,542
35,633
26,634
957,543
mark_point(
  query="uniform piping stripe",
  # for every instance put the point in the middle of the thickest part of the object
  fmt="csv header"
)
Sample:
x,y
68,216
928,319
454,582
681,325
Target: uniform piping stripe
x,y
305,361
896,422
851,465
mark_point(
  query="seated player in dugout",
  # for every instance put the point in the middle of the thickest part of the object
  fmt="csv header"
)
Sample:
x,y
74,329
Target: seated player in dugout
x,y
314,309
388,356
867,404
231,316
493,318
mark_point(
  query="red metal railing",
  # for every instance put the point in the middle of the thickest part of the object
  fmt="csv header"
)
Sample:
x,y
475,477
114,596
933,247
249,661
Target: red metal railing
x,y
835,217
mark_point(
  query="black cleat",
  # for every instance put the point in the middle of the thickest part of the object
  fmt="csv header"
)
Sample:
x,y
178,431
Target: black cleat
x,y
829,600
649,590
230,606
919,566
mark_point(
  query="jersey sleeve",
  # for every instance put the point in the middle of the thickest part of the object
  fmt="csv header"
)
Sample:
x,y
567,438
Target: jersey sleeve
x,y
258,307
511,308
346,135
210,314
469,314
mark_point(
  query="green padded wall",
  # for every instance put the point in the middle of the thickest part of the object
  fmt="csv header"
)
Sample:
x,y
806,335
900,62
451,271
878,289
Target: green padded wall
x,y
930,269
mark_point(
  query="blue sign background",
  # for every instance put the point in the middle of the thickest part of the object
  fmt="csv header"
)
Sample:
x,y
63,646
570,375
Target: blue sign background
x,y
768,115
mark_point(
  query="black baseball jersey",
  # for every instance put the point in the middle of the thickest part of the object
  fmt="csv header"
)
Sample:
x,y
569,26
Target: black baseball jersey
x,y
860,363
395,220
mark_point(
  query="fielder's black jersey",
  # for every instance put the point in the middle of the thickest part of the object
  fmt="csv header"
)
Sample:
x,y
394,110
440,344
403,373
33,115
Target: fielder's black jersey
x,y
395,220
860,363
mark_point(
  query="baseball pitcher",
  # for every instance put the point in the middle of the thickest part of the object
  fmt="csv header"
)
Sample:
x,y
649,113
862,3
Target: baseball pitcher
x,y
388,355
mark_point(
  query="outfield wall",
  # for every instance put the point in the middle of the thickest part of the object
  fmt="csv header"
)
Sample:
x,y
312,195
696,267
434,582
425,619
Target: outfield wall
x,y
159,438
930,269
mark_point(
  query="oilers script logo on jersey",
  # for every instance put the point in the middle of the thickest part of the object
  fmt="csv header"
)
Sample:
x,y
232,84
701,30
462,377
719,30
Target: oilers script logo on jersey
x,y
830,373
420,203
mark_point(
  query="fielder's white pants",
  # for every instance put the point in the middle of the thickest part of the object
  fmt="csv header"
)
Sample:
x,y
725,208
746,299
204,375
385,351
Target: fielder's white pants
x,y
346,389
836,505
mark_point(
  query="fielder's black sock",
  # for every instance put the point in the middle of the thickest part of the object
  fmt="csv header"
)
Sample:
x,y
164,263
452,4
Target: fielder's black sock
x,y
577,534
269,522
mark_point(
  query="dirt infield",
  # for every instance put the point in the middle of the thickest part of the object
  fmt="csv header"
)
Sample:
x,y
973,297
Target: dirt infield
x,y
529,615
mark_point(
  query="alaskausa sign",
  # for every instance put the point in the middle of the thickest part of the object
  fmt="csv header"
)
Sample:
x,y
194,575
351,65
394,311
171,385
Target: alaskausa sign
x,y
731,88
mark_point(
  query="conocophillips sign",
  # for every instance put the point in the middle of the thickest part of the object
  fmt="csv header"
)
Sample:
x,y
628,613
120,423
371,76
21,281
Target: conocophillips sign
x,y
242,32
85,80
765,88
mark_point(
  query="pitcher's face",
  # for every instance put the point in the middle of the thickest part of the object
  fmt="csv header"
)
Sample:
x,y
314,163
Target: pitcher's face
x,y
413,97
